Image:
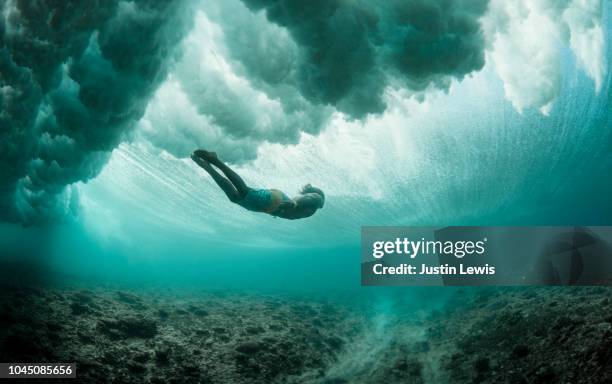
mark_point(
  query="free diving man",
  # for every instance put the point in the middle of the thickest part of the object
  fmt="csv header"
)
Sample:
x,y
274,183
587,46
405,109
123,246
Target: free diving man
x,y
271,201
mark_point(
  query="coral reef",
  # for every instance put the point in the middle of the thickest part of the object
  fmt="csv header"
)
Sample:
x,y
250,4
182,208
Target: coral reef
x,y
503,335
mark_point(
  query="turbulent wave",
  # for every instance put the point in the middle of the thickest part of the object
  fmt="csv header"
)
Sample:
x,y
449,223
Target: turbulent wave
x,y
238,76
473,163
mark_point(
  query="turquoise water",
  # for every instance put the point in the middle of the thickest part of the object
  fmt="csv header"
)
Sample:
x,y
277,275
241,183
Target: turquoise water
x,y
155,219
158,218
152,236
465,156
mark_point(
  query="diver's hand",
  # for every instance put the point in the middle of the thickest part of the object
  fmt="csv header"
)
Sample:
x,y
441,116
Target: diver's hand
x,y
286,205
306,187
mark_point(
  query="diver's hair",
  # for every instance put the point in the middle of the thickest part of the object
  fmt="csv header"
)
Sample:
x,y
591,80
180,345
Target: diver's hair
x,y
310,189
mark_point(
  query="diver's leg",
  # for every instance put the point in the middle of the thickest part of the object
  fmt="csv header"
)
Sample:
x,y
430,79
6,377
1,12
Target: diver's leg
x,y
212,158
233,176
222,182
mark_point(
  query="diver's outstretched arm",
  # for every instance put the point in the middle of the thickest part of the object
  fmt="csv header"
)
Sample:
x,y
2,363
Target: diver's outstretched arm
x,y
310,189
222,182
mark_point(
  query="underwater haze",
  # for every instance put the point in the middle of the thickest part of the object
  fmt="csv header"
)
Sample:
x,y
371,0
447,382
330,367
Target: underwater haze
x,y
413,113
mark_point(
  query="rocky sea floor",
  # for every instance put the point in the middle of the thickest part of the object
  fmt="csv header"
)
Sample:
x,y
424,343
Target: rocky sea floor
x,y
526,335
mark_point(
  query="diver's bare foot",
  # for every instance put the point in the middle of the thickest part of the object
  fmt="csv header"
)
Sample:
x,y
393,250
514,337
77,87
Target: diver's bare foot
x,y
206,155
195,157
200,161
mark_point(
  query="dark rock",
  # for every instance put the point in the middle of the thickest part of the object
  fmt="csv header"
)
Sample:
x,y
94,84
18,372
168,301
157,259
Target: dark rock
x,y
482,365
128,327
163,314
6,314
304,310
254,330
130,299
162,356
520,351
516,378
85,338
224,338
328,309
250,347
275,327
136,367
190,370
422,346
334,342
79,309
142,357
497,305
83,297
93,369
409,366
273,305
198,311
21,342
563,322
269,340
111,358
54,327
335,380
603,352
546,375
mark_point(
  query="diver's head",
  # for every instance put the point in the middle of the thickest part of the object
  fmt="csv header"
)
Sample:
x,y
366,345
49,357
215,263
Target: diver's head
x,y
309,201
315,196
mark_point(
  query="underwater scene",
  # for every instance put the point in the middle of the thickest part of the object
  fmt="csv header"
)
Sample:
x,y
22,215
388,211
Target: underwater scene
x,y
183,186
